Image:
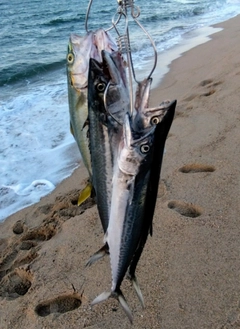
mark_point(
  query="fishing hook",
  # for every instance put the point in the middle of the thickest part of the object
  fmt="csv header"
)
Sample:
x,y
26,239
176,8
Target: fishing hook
x,y
123,40
135,13
105,103
87,18
87,15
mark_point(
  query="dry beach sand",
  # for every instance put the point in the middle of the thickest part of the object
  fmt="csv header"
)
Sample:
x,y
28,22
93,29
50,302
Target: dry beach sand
x,y
189,272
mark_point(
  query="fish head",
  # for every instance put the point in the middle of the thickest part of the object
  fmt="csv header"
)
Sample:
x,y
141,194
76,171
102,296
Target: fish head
x,y
98,78
98,82
117,96
78,55
103,41
135,149
155,115
146,117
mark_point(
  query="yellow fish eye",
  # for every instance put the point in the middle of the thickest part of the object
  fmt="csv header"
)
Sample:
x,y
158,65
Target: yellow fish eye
x,y
70,58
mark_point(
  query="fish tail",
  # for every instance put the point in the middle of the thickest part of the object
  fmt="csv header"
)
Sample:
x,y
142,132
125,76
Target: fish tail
x,y
136,286
98,255
120,297
124,304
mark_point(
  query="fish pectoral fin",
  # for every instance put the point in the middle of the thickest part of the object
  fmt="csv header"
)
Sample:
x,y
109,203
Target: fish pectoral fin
x,y
98,255
86,123
120,297
85,194
137,289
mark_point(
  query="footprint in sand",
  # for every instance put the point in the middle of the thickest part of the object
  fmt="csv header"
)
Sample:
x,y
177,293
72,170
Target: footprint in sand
x,y
210,84
60,304
209,89
23,248
185,209
196,168
18,227
16,284
65,207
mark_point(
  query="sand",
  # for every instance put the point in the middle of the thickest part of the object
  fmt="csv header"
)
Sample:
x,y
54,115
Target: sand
x,y
189,272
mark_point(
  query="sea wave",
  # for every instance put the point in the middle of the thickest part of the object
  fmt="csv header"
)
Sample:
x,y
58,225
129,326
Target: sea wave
x,y
60,21
18,72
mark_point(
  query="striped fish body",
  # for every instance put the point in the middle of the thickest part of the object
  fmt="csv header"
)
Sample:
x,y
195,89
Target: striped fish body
x,y
161,132
101,157
145,118
107,105
130,178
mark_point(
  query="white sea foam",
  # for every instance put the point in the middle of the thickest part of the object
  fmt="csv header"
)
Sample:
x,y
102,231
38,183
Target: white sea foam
x,y
37,150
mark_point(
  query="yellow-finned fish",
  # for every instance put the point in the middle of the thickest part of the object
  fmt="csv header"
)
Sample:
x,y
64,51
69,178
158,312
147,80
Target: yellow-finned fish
x,y
80,50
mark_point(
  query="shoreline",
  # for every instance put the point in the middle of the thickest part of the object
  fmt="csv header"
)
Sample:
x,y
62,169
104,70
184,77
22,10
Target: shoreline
x,y
189,269
190,40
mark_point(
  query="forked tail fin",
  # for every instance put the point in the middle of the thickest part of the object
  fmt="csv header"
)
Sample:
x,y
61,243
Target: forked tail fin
x,y
120,297
135,284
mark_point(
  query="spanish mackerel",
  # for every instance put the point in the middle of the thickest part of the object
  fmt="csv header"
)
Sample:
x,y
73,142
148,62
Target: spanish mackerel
x,y
145,118
130,177
105,128
161,132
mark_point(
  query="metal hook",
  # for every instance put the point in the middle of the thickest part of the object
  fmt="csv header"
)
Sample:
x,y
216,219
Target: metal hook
x,y
105,103
153,45
135,13
123,40
123,43
87,17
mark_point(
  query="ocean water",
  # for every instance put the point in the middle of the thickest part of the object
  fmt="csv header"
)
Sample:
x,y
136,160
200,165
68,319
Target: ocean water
x,y
37,150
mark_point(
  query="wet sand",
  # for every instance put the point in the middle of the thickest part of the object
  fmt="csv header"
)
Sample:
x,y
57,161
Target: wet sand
x,y
189,272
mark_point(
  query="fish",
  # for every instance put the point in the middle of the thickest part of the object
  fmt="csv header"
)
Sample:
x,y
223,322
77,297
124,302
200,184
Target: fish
x,y
79,53
80,50
129,186
108,102
162,117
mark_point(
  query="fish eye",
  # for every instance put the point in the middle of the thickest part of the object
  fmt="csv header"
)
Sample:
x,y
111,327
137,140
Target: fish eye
x,y
155,120
101,86
144,148
70,58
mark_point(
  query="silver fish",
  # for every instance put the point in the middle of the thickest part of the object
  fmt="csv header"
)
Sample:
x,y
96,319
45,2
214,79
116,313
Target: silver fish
x,y
162,117
106,87
130,177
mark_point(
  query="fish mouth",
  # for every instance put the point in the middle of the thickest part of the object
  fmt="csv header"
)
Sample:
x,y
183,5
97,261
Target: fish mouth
x,y
142,94
114,64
